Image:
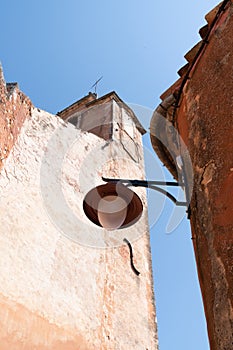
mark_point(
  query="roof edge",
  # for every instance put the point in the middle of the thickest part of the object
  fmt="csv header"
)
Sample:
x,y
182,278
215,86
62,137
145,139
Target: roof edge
x,y
91,100
176,90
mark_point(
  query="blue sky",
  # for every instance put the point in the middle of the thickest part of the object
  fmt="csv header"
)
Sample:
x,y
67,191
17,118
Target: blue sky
x,y
56,50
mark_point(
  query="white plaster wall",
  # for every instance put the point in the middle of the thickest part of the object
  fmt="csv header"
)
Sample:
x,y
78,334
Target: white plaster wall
x,y
53,260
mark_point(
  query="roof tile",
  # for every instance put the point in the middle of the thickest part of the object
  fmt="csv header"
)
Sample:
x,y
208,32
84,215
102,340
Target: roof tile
x,y
189,56
183,70
203,31
211,15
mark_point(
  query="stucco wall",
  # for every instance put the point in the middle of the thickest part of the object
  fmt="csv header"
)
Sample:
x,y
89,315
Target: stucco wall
x,y
205,121
64,282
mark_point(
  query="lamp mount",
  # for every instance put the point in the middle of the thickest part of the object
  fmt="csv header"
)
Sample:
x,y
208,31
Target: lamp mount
x,y
154,186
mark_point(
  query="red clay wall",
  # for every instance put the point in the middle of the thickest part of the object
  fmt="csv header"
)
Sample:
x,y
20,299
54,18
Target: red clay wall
x,y
15,107
205,121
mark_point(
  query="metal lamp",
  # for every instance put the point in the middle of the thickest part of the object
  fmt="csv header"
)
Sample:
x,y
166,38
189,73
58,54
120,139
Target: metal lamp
x,y
114,206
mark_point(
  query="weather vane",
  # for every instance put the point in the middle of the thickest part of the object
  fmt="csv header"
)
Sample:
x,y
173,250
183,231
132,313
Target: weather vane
x,y
96,83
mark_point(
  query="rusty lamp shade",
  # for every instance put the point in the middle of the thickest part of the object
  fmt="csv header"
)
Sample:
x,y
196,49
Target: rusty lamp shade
x,y
112,206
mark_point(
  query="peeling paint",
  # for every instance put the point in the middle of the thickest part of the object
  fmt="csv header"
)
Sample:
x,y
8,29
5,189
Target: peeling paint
x,y
208,173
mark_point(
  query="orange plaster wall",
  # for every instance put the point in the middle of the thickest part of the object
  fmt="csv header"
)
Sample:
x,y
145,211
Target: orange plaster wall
x,y
15,107
205,122
35,332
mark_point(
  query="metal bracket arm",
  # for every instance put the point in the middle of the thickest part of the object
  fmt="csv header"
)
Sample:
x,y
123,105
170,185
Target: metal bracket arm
x,y
152,185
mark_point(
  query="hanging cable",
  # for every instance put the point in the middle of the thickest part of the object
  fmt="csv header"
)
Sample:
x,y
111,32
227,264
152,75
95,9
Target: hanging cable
x,y
131,257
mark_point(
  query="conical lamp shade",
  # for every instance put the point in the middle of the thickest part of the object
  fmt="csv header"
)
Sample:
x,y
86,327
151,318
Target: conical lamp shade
x,y
112,206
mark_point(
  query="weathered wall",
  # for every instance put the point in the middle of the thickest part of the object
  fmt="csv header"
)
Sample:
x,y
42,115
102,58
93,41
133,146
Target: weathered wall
x,y
15,107
205,121
56,293
200,106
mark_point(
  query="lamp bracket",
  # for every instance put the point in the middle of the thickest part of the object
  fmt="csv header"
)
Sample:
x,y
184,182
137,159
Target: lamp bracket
x,y
152,185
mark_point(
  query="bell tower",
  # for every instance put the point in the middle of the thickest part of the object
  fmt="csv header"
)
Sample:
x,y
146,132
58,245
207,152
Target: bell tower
x,y
67,283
